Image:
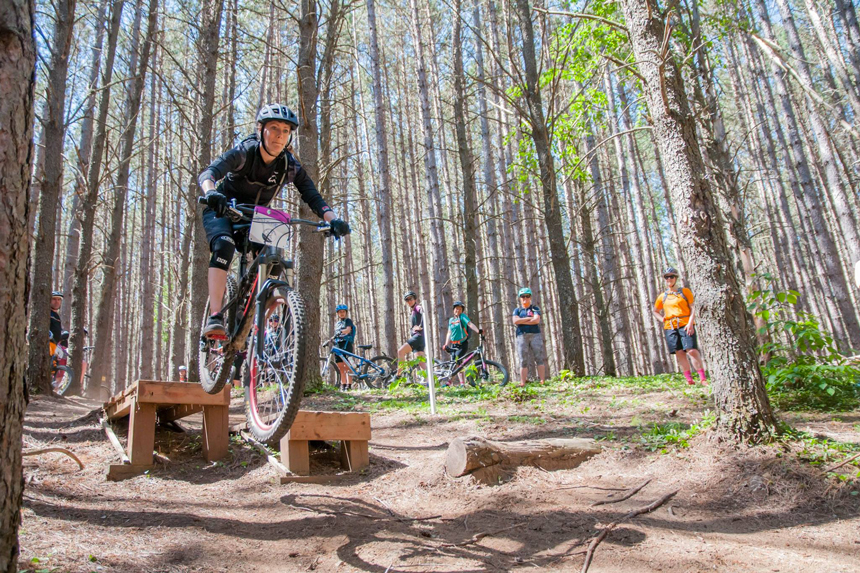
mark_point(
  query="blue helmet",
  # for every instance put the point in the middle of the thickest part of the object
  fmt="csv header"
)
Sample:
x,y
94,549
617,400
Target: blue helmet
x,y
341,307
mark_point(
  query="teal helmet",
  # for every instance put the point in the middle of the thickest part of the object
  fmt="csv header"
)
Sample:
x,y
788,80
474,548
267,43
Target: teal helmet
x,y
525,291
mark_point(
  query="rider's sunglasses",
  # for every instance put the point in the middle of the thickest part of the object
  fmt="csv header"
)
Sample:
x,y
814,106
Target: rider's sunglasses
x,y
410,298
667,277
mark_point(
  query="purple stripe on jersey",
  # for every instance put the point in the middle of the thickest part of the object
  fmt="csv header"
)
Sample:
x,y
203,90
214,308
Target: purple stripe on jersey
x,y
281,216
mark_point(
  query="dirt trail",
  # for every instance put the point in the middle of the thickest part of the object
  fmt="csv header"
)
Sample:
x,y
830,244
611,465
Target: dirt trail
x,y
737,510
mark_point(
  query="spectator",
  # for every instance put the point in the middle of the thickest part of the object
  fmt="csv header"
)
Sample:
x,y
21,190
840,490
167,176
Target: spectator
x,y
529,339
679,325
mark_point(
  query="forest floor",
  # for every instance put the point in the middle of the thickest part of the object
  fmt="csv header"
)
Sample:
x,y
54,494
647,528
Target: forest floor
x,y
737,509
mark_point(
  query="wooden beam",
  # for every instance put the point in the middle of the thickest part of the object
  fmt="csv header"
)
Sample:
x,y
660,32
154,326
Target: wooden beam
x,y
174,413
119,472
330,426
295,455
216,435
141,434
153,392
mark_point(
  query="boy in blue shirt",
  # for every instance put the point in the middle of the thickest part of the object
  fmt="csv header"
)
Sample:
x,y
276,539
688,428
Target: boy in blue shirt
x,y
529,339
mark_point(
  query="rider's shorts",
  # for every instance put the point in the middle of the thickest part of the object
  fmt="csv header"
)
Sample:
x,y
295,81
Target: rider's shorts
x,y
216,226
531,344
416,342
459,349
344,345
678,339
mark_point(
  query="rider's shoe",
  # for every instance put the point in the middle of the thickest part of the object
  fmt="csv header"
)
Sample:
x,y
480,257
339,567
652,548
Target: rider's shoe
x,y
215,328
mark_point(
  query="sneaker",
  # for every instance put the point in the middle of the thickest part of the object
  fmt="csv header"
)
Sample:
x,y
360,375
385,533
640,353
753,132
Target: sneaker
x,y
215,328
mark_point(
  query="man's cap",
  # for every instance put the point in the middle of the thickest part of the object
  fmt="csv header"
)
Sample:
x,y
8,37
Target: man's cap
x,y
525,291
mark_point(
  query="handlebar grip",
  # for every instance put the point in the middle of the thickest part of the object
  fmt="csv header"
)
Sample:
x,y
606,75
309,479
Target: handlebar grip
x,y
202,200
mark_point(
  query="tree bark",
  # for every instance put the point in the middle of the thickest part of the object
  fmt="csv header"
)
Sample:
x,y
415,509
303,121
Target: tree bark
x,y
207,56
41,272
485,459
568,306
17,84
88,204
102,363
383,212
744,409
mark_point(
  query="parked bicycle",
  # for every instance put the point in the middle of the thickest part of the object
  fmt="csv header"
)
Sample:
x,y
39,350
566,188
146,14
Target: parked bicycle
x,y
61,372
477,369
273,375
375,372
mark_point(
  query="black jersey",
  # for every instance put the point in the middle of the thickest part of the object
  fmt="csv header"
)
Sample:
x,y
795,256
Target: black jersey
x,y
245,177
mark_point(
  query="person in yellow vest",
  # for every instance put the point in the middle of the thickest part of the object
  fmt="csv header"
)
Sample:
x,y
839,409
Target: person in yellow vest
x,y
679,325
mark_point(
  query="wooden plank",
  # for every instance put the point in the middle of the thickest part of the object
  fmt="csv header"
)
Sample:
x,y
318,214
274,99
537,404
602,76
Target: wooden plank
x,y
322,479
114,440
295,455
355,455
155,392
120,405
239,428
216,435
174,413
119,472
310,425
141,434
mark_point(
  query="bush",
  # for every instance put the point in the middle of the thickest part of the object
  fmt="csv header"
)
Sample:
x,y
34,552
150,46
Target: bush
x,y
805,369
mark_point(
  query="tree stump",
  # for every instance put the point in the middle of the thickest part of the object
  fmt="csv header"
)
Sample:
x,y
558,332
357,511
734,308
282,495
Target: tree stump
x,y
489,461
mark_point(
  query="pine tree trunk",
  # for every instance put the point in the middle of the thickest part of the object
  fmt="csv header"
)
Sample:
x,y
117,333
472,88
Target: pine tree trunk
x,y
17,84
80,290
744,409
84,148
102,362
208,46
54,131
383,213
568,306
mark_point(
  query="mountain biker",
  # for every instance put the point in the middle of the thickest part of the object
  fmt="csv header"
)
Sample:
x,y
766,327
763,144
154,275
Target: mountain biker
x,y
344,331
415,342
678,320
458,335
183,373
252,172
529,339
56,329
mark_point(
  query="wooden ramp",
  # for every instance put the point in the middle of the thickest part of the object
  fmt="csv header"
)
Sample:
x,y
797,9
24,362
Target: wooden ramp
x,y
148,401
351,429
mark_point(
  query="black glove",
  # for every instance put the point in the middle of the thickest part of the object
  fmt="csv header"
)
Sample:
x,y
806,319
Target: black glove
x,y
339,227
217,202
480,331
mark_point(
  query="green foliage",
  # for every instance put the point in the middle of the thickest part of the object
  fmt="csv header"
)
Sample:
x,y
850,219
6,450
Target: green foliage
x,y
662,437
822,451
805,369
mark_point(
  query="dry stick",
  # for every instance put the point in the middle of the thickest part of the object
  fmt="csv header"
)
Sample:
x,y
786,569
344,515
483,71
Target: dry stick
x,y
596,541
593,487
59,450
478,536
836,467
114,440
273,461
627,495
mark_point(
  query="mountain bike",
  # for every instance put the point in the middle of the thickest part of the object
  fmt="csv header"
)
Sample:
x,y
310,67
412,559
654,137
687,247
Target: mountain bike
x,y
375,372
273,351
477,369
61,372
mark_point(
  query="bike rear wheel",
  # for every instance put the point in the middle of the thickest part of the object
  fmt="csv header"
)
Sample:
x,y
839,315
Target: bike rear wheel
x,y
275,381
214,362
493,374
62,380
382,379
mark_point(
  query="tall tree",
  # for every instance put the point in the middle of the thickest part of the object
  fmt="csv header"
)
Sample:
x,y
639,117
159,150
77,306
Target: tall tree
x,y
102,362
384,195
80,286
744,409
572,357
17,83
54,131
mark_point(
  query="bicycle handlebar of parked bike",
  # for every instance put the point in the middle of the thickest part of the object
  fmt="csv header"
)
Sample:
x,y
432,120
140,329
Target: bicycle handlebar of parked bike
x,y
245,212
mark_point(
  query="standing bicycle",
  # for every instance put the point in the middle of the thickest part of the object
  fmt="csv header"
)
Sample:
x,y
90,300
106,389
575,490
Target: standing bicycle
x,y
476,368
376,372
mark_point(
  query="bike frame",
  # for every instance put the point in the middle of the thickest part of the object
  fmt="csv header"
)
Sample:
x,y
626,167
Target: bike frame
x,y
463,362
335,351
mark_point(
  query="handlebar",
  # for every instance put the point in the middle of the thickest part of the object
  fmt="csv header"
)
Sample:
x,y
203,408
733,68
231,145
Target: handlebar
x,y
237,213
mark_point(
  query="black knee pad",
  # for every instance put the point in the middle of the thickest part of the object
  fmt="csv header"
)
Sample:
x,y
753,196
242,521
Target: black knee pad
x,y
222,248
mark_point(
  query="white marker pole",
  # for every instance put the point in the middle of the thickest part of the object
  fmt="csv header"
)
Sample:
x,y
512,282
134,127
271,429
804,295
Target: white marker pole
x,y
429,342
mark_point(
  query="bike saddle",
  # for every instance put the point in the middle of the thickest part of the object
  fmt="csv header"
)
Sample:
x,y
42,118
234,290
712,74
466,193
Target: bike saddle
x,y
365,346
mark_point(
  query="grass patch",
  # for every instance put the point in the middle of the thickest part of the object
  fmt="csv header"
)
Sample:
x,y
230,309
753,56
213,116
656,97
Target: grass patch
x,y
673,435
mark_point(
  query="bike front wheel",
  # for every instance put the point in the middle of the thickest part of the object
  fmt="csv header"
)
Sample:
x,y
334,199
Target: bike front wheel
x,y
62,380
492,373
214,362
332,375
274,376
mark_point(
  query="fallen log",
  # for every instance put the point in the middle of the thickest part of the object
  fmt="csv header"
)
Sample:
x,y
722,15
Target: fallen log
x,y
488,461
